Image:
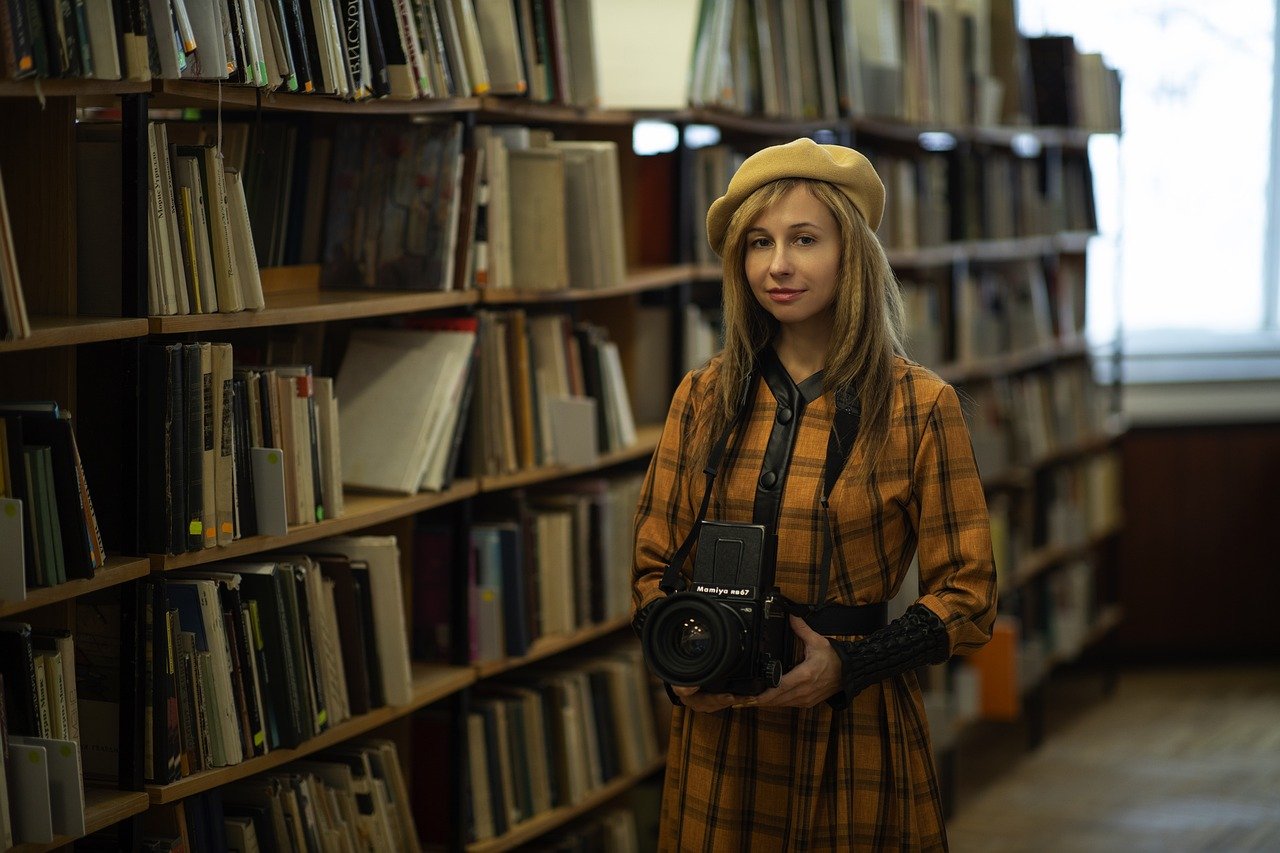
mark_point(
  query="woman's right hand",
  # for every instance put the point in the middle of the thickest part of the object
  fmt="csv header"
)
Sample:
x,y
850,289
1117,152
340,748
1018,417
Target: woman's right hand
x,y
708,703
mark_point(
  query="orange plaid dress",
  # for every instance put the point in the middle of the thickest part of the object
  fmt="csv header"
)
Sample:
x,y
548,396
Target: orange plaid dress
x,y
818,779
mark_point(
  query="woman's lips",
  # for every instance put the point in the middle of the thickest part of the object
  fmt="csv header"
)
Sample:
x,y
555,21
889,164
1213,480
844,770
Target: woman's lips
x,y
783,295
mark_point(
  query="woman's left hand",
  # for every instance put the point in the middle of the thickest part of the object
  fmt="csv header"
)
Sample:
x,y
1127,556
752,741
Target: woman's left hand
x,y
812,681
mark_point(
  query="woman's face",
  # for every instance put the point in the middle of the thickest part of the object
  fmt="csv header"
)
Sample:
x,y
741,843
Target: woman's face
x,y
792,259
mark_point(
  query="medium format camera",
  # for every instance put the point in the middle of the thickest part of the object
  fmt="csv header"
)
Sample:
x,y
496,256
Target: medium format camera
x,y
728,631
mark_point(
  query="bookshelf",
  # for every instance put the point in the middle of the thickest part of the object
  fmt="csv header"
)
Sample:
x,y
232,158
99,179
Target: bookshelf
x,y
430,684
531,829
294,300
103,807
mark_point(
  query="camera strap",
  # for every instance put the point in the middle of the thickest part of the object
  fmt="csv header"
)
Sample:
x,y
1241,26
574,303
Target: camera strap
x,y
671,579
844,432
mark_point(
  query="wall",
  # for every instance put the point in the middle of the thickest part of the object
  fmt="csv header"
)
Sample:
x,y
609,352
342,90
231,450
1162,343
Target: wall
x,y
1199,559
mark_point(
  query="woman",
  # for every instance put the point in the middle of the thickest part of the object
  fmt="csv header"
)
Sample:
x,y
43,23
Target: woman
x,y
837,755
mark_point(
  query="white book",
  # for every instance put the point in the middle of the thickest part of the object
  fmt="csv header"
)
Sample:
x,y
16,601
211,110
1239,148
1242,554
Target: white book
x,y
100,20
248,277
31,808
65,785
211,48
393,385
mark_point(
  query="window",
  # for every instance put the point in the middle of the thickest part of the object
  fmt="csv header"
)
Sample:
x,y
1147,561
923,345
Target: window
x,y
1185,260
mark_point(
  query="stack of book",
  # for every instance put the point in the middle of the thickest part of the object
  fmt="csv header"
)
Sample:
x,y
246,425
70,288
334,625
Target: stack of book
x,y
446,48
238,450
562,563
43,794
48,529
551,737
550,391
395,200
352,797
13,318
202,258
244,658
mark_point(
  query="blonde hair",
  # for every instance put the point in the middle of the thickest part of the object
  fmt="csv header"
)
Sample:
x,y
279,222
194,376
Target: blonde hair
x,y
868,319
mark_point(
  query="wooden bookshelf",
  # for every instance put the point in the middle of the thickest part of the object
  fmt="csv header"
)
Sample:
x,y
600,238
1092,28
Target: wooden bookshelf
x,y
315,306
646,441
103,807
69,88
520,110
431,683
1038,562
545,647
638,281
1087,446
1013,362
538,825
362,510
117,570
1106,620
185,94
974,251
48,331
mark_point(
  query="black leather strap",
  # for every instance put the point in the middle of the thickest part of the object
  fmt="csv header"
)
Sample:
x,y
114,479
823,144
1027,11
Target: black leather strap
x,y
844,432
833,619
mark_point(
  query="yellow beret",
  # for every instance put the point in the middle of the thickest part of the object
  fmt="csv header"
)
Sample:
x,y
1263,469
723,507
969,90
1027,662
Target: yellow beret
x,y
846,169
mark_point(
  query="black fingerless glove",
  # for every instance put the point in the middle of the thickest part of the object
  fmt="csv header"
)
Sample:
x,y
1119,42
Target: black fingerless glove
x,y
915,638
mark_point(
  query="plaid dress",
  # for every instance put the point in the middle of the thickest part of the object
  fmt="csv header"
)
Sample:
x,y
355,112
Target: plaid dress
x,y
818,779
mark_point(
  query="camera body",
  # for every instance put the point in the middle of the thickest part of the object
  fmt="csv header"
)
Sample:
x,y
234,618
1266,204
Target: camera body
x,y
728,632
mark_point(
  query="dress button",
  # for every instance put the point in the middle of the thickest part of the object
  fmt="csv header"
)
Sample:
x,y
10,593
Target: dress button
x,y
768,479
784,415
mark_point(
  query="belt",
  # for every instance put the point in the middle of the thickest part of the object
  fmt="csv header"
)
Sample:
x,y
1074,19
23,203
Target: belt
x,y
848,619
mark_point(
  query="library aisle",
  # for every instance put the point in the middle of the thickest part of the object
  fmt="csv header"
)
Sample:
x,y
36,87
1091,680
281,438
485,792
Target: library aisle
x,y
1178,758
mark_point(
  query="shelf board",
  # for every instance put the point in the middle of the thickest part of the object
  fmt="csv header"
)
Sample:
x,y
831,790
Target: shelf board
x,y
315,306
53,331
183,93
431,683
1110,617
117,570
540,824
69,88
365,509
638,281
646,441
1040,561
545,647
519,110
362,510
103,807
1013,362
986,251
1087,446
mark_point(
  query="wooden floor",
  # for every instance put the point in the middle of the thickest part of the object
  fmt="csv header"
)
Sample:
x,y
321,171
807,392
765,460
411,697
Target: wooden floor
x,y
1174,759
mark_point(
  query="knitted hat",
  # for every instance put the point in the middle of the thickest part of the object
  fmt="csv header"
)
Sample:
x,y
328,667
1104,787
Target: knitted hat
x,y
846,169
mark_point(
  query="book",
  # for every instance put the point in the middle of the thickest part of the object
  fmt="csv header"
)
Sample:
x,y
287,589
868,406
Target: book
x,y
395,387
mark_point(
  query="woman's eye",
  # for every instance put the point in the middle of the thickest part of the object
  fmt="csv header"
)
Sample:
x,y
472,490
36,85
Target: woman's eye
x,y
805,240
760,243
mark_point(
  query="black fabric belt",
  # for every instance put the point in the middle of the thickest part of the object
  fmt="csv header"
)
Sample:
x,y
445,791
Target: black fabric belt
x,y
848,619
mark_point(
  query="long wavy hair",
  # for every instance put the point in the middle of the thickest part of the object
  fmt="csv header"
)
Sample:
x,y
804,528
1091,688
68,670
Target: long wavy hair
x,y
866,335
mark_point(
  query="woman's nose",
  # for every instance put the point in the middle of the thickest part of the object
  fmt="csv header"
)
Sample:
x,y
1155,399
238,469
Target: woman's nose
x,y
780,262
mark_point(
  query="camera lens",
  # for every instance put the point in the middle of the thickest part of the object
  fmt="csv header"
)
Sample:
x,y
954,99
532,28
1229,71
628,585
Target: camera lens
x,y
692,640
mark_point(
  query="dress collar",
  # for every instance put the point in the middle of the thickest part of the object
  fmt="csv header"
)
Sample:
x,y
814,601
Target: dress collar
x,y
781,383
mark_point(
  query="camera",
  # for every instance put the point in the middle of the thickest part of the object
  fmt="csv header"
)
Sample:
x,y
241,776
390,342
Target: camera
x,y
728,631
